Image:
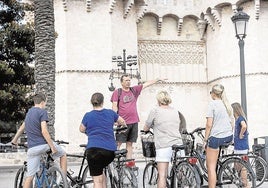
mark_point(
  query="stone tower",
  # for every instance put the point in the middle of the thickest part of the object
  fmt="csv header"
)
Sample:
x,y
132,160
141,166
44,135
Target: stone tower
x,y
190,42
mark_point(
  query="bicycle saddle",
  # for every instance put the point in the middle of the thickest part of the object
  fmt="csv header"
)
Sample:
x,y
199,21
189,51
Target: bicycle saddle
x,y
226,145
120,152
178,147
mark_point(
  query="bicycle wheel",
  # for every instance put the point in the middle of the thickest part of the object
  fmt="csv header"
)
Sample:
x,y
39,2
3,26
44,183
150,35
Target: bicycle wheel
x,y
186,176
127,178
56,178
87,179
259,167
236,173
111,176
20,177
150,175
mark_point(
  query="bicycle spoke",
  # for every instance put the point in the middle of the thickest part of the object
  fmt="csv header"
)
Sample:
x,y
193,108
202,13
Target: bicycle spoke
x,y
235,173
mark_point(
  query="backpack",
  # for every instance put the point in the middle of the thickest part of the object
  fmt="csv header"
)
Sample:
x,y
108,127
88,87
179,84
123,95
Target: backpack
x,y
119,90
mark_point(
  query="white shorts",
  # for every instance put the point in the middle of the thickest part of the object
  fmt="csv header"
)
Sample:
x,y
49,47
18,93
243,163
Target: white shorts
x,y
241,151
163,154
34,157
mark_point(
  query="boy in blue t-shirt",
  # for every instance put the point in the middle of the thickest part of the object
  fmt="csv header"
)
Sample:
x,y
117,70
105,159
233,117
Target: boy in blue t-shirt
x,y
38,138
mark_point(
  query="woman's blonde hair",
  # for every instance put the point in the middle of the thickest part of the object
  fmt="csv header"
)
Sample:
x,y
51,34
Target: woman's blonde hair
x,y
219,91
163,98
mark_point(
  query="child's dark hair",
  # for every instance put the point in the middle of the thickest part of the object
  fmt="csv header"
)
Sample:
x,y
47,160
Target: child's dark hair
x,y
97,99
39,97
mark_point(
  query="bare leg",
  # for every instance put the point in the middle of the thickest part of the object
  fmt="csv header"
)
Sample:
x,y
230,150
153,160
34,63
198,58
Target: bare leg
x,y
129,150
98,181
28,182
63,163
162,174
212,157
119,145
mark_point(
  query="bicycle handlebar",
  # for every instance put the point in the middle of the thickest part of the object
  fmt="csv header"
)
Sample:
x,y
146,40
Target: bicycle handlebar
x,y
118,129
197,130
61,142
147,132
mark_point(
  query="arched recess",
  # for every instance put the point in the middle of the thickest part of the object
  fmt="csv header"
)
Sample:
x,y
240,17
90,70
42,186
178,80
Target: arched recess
x,y
147,27
189,29
169,29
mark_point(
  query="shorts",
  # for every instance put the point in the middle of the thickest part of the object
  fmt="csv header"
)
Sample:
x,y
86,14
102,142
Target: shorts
x,y
215,143
98,159
34,157
241,151
130,135
165,154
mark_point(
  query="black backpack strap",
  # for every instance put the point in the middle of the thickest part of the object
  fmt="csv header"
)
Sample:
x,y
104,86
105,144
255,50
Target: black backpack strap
x,y
119,92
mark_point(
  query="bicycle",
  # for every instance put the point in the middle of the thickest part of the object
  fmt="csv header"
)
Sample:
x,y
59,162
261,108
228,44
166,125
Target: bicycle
x,y
49,175
258,164
230,167
120,173
83,179
183,171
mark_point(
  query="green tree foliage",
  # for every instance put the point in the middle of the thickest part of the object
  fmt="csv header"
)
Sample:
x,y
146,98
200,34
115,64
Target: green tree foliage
x,y
16,53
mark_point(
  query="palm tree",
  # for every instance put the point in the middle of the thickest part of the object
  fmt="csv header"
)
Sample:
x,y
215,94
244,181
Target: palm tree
x,y
45,55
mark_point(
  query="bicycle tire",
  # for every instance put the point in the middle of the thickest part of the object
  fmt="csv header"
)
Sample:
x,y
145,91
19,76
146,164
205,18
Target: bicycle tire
x,y
186,176
127,178
20,177
87,179
150,175
259,167
56,178
230,174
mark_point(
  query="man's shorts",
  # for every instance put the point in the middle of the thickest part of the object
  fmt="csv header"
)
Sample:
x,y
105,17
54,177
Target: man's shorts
x,y
98,159
215,143
34,157
130,135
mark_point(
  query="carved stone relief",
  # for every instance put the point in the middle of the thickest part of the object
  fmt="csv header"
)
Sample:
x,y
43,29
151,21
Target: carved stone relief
x,y
171,52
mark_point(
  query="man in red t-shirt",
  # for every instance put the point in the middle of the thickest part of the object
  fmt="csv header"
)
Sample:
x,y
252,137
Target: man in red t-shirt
x,y
124,102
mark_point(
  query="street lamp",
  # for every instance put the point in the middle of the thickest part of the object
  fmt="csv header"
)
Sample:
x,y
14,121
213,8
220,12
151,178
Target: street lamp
x,y
124,62
240,20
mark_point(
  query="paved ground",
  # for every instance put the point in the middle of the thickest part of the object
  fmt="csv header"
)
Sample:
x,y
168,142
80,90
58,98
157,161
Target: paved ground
x,y
7,174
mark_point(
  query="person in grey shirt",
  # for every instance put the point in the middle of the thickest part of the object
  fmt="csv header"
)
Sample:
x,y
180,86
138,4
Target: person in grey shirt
x,y
165,122
219,129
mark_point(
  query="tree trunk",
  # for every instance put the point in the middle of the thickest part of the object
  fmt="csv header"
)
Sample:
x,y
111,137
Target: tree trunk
x,y
45,55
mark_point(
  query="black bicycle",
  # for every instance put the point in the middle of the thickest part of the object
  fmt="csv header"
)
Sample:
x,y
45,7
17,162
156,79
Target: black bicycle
x,y
50,175
233,170
258,164
121,172
83,178
183,171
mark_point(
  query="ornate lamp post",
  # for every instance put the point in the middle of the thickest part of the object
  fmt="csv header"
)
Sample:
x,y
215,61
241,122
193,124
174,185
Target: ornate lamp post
x,y
240,20
124,62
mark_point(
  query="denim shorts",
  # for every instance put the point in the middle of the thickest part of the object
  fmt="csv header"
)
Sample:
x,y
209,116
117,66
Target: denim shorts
x,y
215,143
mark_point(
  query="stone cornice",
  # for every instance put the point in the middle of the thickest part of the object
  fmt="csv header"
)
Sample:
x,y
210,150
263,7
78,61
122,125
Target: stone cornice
x,y
257,9
170,83
127,7
88,5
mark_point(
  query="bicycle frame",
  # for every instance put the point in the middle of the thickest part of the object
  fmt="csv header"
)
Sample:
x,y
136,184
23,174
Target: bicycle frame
x,y
77,179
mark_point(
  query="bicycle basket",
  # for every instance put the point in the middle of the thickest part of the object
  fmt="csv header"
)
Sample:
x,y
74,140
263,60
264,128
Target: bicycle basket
x,y
148,147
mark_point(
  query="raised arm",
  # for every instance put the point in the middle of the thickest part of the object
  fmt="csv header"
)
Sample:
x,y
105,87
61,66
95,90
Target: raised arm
x,y
151,82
